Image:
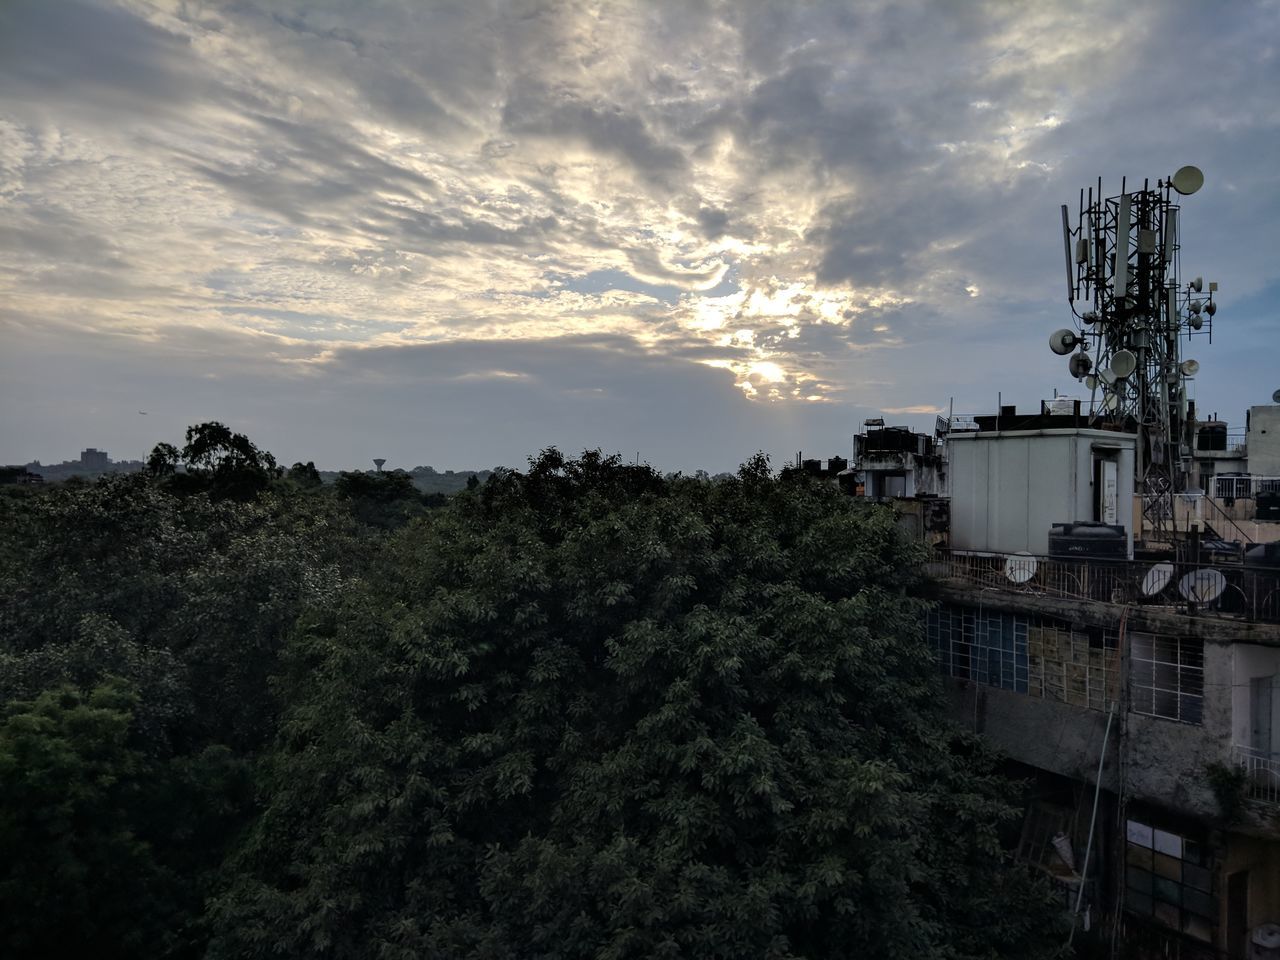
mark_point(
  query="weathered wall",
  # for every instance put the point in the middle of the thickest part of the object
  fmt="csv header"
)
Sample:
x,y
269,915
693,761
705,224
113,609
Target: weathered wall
x,y
1264,440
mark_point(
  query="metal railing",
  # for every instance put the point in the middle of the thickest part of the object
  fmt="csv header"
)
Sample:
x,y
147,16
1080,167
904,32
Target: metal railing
x,y
1263,771
1233,590
1246,487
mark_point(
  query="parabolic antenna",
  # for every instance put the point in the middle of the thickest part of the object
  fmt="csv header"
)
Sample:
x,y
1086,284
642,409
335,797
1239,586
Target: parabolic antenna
x,y
1123,363
1189,368
1202,586
1092,383
1063,341
1079,365
1111,402
1275,397
1187,180
1157,579
1020,567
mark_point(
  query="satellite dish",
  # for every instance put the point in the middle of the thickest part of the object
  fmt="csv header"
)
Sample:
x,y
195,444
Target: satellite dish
x,y
1079,365
1211,308
1092,383
1020,567
1189,368
1187,180
1197,284
1157,579
1195,306
1110,402
1196,323
1063,341
1275,397
1123,363
1202,586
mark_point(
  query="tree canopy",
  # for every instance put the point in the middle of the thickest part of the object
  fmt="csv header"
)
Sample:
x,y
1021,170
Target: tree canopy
x,y
580,711
590,712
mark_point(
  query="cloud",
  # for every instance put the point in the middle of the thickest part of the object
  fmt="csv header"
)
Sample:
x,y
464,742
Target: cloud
x,y
780,202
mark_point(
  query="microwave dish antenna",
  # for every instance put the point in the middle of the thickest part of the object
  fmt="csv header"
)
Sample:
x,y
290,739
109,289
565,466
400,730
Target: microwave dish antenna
x,y
1064,341
1187,180
1123,363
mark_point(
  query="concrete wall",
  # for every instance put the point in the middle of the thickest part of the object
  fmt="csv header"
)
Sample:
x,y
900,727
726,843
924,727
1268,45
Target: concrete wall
x,y
1008,488
1264,440
1165,761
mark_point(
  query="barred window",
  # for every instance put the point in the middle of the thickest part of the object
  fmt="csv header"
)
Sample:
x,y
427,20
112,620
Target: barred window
x,y
1074,664
1166,677
1168,878
988,648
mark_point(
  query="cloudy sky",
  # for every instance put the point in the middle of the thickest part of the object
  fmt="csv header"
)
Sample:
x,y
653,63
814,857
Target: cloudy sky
x,y
455,233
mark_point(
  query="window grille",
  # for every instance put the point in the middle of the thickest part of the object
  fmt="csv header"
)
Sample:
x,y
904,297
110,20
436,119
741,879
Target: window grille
x,y
988,648
1166,677
1168,878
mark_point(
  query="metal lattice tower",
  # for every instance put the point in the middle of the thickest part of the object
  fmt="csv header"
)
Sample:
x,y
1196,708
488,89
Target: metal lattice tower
x,y
1133,315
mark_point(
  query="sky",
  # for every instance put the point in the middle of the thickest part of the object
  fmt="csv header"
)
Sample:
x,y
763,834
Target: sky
x,y
455,233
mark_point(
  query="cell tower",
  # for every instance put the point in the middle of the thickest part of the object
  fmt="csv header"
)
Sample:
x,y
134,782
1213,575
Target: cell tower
x,y
1133,314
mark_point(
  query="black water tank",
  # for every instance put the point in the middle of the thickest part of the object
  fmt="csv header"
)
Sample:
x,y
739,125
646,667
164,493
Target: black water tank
x,y
836,464
1088,541
1268,505
1263,555
1212,436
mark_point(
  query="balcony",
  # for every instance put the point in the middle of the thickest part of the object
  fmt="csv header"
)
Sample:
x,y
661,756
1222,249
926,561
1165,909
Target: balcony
x,y
1263,773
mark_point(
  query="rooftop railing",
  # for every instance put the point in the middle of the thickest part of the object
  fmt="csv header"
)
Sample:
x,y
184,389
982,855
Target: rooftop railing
x,y
1246,487
1229,590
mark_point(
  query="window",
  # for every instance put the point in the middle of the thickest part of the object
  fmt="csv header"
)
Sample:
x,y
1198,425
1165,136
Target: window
x,y
988,648
1073,663
1167,878
1166,677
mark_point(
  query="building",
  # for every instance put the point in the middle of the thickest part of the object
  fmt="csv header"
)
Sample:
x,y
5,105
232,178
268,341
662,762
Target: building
x,y
1125,661
1107,603
95,459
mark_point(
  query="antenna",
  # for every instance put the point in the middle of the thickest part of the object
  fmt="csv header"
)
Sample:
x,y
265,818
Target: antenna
x,y
1132,311
1020,567
1275,397
1202,586
1066,251
1064,341
1157,579
1187,180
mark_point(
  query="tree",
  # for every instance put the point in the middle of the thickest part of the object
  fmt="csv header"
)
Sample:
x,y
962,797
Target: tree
x,y
385,500
305,475
228,465
76,878
589,712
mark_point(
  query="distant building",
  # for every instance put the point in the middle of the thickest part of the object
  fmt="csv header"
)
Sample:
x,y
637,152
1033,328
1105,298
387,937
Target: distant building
x,y
94,459
11,475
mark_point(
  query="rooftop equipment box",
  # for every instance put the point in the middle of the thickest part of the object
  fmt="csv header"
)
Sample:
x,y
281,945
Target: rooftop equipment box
x,y
1009,487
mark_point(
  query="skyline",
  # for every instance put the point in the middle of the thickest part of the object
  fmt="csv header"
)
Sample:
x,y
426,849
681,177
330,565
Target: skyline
x,y
455,234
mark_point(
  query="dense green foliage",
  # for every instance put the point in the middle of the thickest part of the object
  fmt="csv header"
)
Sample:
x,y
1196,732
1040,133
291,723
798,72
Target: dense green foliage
x,y
583,711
